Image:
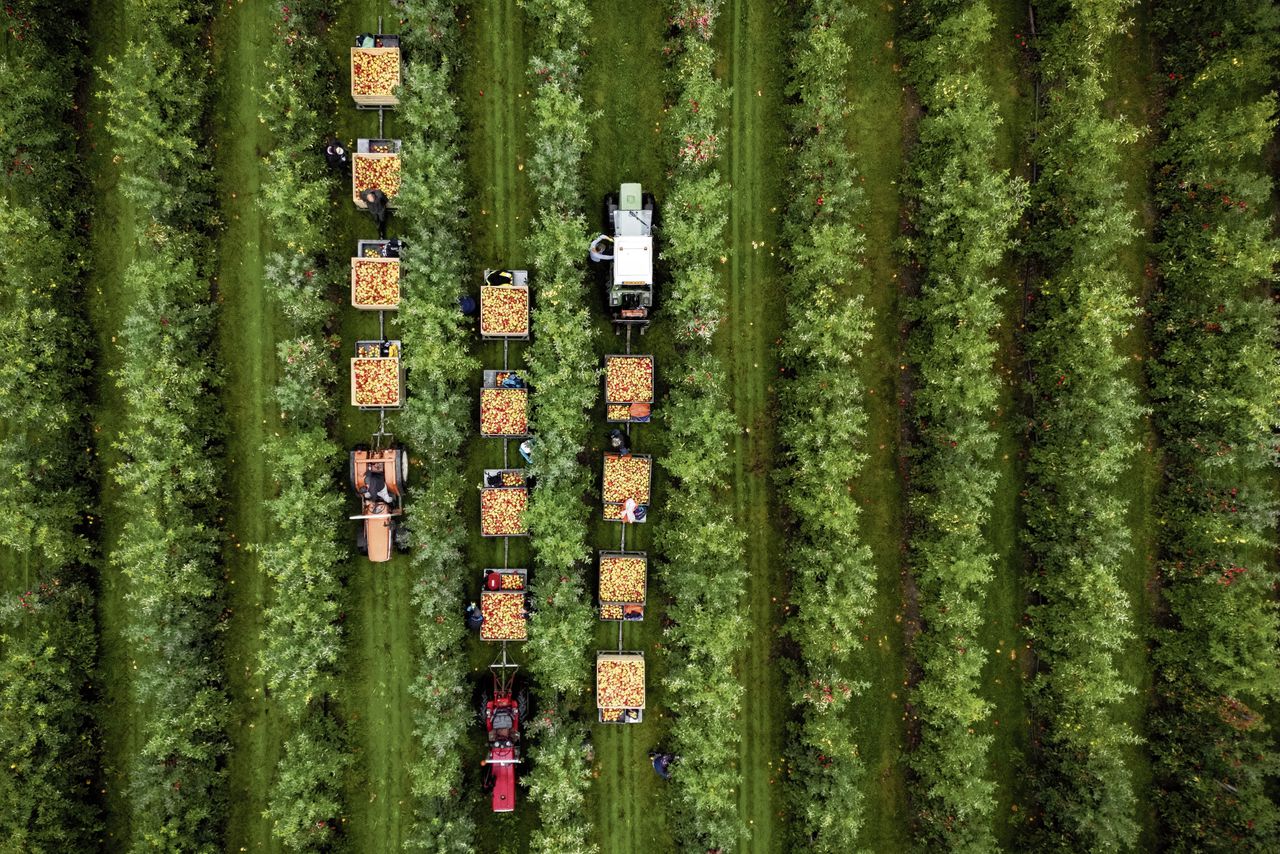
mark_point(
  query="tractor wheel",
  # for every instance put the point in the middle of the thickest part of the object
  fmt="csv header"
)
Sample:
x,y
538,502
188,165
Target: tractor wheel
x,y
610,206
402,467
362,541
400,537
522,705
484,706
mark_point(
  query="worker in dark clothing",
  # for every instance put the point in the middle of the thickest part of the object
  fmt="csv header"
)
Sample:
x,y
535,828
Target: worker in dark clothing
x,y
375,202
391,249
468,305
618,442
662,763
335,154
474,617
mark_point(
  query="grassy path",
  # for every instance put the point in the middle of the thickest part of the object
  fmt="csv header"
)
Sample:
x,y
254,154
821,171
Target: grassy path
x,y
494,96
247,345
1007,669
1132,60
621,80
755,47
377,615
877,129
112,247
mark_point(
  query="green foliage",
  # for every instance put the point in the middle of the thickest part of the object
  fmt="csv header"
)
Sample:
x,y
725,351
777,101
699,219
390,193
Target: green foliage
x,y
824,431
47,739
436,421
156,99
701,546
1215,384
1084,411
559,784
561,359
168,477
302,639
306,797
962,212
47,642
562,364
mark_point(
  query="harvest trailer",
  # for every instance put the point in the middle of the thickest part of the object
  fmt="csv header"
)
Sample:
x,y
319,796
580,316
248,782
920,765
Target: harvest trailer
x,y
620,687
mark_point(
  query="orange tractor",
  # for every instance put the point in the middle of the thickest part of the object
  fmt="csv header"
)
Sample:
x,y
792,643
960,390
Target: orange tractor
x,y
379,477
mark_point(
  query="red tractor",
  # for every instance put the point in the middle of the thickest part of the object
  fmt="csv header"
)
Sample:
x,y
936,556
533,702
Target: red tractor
x,y
503,714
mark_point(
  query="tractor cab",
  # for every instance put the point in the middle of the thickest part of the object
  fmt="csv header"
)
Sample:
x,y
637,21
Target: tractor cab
x,y
627,245
378,477
503,713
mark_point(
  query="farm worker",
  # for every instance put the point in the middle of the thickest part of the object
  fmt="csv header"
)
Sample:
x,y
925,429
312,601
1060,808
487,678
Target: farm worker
x,y
335,155
391,249
618,441
661,763
474,617
629,510
526,450
513,380
598,248
364,40
375,202
467,305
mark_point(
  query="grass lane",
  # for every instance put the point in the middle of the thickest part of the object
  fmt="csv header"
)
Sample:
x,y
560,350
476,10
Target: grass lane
x,y
112,248
494,93
1131,92
753,35
1006,672
246,340
620,80
877,130
377,613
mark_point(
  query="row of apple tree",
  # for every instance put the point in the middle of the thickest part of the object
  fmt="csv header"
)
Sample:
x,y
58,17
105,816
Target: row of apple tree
x,y
48,742
963,210
702,565
167,477
301,636
563,366
824,432
1082,434
1215,383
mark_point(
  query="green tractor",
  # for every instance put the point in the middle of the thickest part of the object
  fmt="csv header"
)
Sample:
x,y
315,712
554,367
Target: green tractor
x,y
627,246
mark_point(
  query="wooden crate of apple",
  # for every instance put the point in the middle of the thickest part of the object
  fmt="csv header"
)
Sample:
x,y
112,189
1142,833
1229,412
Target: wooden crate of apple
x,y
504,412
622,578
503,616
375,381
375,283
376,171
620,681
627,477
375,74
504,311
502,512
628,379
